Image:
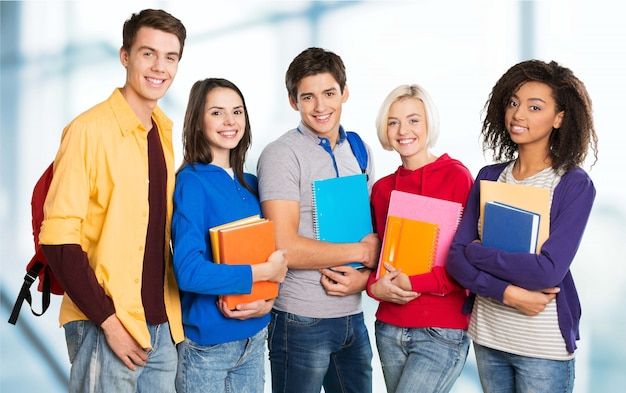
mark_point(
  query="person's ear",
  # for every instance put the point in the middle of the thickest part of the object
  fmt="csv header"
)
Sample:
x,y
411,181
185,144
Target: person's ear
x,y
558,120
123,57
294,103
345,94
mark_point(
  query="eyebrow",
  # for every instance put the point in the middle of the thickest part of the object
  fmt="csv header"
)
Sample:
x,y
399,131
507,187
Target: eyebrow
x,y
530,99
144,47
409,115
310,94
221,107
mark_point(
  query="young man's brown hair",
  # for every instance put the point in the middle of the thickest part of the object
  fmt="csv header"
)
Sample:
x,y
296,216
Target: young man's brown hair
x,y
314,61
156,19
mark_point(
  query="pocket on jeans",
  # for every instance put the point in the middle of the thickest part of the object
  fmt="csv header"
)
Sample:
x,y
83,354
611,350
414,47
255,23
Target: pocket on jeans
x,y
301,320
387,331
451,337
74,334
198,347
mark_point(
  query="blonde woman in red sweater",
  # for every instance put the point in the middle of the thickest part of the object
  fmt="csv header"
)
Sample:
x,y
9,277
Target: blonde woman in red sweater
x,y
420,328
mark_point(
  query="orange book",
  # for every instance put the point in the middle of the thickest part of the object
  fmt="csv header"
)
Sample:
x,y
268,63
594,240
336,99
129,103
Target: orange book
x,y
215,244
409,245
248,244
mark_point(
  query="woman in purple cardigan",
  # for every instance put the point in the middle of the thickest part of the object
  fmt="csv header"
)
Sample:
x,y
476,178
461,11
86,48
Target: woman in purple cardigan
x,y
526,311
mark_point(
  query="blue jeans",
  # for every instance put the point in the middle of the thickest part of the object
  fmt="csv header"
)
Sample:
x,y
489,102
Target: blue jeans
x,y
236,366
95,368
505,372
308,353
420,359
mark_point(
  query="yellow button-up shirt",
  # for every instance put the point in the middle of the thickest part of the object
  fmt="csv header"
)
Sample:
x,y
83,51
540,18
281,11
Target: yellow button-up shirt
x,y
99,199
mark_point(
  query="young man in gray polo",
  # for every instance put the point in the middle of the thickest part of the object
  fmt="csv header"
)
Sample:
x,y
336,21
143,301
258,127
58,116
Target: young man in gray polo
x,y
317,335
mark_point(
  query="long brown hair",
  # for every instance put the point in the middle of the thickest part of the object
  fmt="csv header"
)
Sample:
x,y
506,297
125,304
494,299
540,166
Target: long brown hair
x,y
570,143
196,147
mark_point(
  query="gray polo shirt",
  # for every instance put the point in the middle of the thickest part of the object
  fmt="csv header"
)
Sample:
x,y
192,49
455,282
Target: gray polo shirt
x,y
286,170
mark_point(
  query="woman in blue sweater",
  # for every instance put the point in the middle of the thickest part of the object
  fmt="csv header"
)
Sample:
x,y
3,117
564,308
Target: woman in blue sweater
x,y
526,312
224,349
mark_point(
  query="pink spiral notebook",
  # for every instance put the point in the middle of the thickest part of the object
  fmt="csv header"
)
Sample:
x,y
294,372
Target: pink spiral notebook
x,y
445,214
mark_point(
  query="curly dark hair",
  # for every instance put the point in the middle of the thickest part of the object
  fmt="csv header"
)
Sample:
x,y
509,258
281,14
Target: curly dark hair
x,y
196,147
570,143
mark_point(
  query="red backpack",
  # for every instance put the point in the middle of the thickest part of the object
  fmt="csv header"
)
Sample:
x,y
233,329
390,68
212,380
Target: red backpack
x,y
38,265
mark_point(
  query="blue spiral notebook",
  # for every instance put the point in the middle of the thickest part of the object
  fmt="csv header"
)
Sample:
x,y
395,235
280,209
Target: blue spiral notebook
x,y
341,210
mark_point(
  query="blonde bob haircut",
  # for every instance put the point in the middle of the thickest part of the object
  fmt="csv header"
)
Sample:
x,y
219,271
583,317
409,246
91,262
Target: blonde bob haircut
x,y
400,93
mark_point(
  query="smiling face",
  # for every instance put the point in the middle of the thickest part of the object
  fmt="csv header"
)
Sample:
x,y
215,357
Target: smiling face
x,y
151,64
407,131
531,115
224,123
319,101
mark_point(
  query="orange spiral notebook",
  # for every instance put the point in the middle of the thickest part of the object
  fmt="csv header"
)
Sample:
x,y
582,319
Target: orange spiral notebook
x,y
409,245
246,242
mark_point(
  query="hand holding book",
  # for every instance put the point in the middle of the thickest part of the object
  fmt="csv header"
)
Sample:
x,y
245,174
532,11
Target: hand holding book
x,y
273,270
371,244
343,280
244,311
393,287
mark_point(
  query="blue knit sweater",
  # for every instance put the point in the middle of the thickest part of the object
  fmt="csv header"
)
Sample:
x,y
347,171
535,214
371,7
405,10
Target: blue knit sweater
x,y
206,196
488,271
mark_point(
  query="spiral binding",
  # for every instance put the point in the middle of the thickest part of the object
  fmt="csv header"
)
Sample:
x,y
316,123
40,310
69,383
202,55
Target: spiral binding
x,y
316,228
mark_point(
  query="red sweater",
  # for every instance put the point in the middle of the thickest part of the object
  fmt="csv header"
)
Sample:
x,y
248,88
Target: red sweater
x,y
445,178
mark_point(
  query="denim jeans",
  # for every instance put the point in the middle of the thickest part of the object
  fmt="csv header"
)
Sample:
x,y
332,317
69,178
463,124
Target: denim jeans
x,y
505,372
308,353
420,359
236,366
96,369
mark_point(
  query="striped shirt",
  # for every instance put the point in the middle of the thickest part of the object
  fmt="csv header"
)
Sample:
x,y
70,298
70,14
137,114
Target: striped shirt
x,y
498,326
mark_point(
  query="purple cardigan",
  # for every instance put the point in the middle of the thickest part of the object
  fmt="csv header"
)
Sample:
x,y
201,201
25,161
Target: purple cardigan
x,y
487,271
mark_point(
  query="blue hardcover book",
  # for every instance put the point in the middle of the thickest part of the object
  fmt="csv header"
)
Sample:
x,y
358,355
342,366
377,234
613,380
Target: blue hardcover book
x,y
509,228
341,210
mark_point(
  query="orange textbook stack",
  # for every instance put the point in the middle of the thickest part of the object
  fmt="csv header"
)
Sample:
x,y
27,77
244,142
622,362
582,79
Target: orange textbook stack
x,y
245,242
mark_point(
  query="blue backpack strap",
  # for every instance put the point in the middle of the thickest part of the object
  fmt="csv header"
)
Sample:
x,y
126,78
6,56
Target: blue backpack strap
x,y
358,149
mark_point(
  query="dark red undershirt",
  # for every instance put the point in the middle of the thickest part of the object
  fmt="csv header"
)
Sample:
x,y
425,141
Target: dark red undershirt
x,y
71,266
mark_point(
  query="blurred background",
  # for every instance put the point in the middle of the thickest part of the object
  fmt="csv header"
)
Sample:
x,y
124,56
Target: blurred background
x,y
58,58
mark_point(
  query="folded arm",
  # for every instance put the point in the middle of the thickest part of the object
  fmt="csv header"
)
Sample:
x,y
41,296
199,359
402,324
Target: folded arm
x,y
570,211
306,253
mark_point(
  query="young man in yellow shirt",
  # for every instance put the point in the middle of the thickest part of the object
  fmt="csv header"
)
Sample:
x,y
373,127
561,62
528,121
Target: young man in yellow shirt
x,y
106,228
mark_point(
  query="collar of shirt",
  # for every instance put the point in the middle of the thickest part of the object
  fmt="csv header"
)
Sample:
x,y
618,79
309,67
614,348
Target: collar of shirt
x,y
128,120
324,142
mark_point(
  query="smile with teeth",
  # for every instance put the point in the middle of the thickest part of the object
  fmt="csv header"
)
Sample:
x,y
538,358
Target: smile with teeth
x,y
228,133
406,141
322,117
155,81
518,129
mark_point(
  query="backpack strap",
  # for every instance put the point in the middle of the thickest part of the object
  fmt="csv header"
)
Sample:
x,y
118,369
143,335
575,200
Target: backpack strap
x,y
29,279
358,149
38,265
